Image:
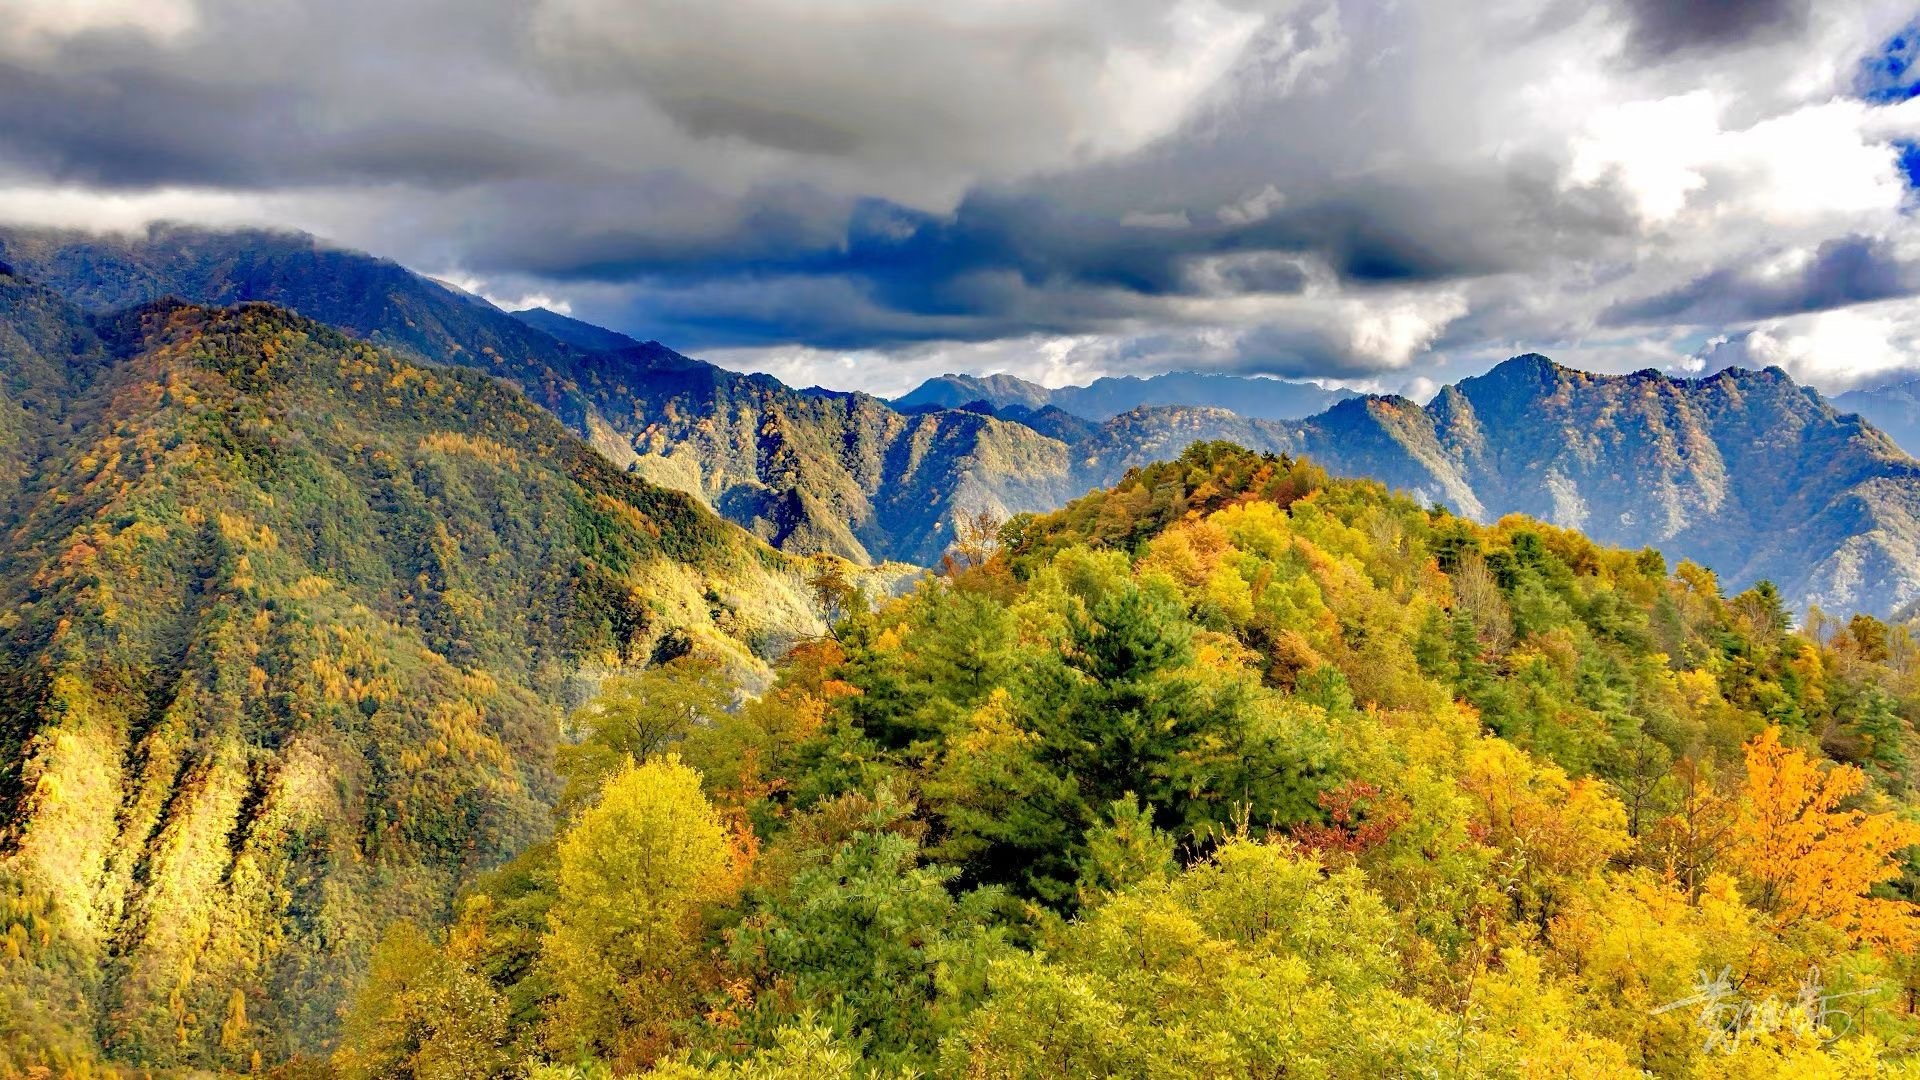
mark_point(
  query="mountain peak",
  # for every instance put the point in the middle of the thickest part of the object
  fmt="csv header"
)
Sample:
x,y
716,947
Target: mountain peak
x,y
953,390
575,332
1526,365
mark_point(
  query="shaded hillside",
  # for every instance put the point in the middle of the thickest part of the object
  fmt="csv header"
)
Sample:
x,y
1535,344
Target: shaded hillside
x,y
571,331
286,627
820,471
377,299
47,345
1148,434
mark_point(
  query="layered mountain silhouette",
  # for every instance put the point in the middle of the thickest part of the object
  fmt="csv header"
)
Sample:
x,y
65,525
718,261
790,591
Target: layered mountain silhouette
x,y
1744,471
1102,399
1894,409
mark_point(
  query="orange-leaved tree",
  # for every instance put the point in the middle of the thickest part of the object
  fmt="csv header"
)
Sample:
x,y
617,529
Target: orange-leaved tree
x,y
1810,860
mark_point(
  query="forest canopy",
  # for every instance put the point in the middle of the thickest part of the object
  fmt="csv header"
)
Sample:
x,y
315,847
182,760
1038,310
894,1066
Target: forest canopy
x,y
1233,770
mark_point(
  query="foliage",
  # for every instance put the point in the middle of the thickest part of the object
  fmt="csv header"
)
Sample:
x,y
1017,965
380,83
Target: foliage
x,y
287,626
1232,770
637,715
630,877
1200,784
1808,859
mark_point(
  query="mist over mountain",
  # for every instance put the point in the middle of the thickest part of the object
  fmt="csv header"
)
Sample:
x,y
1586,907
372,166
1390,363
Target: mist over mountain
x,y
1894,409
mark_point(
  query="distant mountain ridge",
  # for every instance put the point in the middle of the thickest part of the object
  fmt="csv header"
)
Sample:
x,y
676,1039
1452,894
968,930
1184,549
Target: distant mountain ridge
x,y
571,331
1105,398
1894,409
1743,471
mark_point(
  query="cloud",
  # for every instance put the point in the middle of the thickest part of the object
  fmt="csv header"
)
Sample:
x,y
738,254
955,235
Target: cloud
x,y
1840,273
1662,28
1330,188
37,25
995,86
1835,350
1256,207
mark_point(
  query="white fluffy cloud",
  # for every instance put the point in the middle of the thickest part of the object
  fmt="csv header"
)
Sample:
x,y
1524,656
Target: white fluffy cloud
x,y
1837,350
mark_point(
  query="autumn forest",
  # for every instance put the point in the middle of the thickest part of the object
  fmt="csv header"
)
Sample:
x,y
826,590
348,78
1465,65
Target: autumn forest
x,y
361,722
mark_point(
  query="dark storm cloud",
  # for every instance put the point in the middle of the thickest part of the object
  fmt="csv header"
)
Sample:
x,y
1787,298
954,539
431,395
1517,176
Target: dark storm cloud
x,y
1842,272
1663,28
1264,275
1010,261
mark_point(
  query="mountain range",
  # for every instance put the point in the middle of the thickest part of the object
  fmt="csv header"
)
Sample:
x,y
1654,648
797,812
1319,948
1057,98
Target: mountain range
x,y
807,471
1743,471
303,557
1105,398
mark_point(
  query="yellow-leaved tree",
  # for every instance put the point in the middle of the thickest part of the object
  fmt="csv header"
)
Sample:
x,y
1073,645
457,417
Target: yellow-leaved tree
x,y
622,943
1808,859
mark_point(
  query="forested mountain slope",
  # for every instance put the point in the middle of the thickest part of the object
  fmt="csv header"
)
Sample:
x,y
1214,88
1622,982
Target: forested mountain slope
x,y
1233,770
811,472
570,331
819,471
1743,471
287,626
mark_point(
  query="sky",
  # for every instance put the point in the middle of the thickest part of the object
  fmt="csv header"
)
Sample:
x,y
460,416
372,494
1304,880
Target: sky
x,y
864,193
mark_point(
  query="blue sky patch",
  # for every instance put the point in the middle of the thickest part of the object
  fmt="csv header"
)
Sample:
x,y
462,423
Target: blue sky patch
x,y
1889,75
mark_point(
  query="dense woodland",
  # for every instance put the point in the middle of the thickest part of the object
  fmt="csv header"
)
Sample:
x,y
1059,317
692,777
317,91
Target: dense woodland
x,y
287,624
1230,771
